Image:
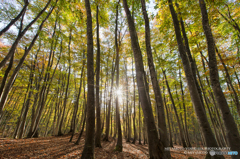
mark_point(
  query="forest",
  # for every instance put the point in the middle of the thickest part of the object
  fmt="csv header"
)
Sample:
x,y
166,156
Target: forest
x,y
120,79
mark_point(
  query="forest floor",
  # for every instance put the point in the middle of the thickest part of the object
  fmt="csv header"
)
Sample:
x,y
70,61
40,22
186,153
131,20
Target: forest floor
x,y
60,147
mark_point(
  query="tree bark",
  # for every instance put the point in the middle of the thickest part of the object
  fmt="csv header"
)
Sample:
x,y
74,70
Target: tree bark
x,y
190,58
77,102
27,104
88,151
199,108
229,81
134,108
119,140
21,34
98,108
109,108
233,136
158,96
175,111
68,80
84,121
16,70
139,120
155,145
4,80
169,125
15,19
127,108
184,108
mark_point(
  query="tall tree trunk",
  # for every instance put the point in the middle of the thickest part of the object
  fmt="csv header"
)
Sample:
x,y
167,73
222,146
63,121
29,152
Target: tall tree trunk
x,y
156,149
109,106
4,80
215,105
184,109
169,125
48,121
117,45
84,120
229,81
139,125
198,106
77,102
190,58
157,92
233,136
68,81
27,104
134,108
8,86
237,77
207,104
176,114
127,109
55,112
19,122
21,34
98,133
111,123
88,151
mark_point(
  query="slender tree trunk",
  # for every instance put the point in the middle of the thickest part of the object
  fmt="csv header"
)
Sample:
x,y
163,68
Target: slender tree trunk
x,y
190,58
139,118
185,114
21,34
144,131
169,125
119,140
77,102
215,105
229,81
27,104
15,19
237,77
15,72
199,108
134,108
109,107
48,121
88,151
175,111
5,119
231,20
55,112
19,122
127,109
84,121
115,122
98,108
111,123
68,80
4,80
158,96
233,136
66,122
156,149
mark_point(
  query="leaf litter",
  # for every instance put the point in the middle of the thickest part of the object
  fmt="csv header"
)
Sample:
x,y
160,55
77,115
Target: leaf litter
x,y
60,147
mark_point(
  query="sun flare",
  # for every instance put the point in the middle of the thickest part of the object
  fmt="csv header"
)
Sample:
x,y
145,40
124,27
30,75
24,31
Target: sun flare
x,y
119,92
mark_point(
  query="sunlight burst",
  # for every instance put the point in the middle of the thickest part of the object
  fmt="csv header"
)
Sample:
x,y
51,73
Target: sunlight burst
x,y
119,92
